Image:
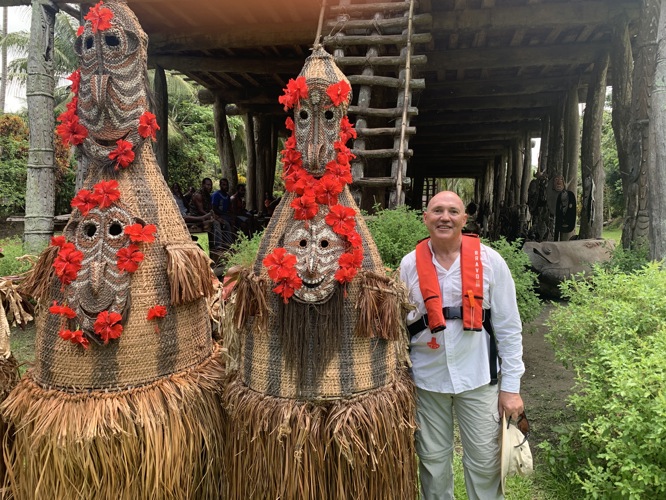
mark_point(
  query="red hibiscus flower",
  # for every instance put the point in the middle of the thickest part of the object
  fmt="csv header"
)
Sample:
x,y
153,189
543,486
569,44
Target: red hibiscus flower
x,y
341,219
338,92
347,130
295,90
148,125
305,207
123,154
70,113
71,131
75,78
129,258
62,310
58,241
67,263
327,190
291,159
106,193
156,312
342,172
80,30
99,17
107,325
85,201
345,274
287,287
289,123
141,234
279,258
76,337
354,239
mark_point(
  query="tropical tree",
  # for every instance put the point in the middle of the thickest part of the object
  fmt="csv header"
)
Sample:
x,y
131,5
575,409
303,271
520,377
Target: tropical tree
x,y
3,55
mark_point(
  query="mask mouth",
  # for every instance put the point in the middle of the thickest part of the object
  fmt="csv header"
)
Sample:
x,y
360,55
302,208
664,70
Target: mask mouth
x,y
312,284
109,143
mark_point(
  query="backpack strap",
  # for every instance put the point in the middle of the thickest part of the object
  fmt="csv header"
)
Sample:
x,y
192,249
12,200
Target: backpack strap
x,y
429,285
471,271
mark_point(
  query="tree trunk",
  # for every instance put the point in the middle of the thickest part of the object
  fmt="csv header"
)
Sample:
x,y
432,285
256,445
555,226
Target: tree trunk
x,y
225,148
162,116
3,55
593,174
634,179
251,149
262,137
657,161
40,186
571,139
527,169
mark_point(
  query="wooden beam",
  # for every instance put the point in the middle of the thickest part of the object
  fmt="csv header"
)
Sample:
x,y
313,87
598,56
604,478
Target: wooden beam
x,y
526,101
502,57
486,116
537,16
227,65
492,87
341,40
383,24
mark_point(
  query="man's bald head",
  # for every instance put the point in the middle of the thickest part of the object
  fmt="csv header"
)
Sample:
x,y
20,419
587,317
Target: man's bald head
x,y
448,196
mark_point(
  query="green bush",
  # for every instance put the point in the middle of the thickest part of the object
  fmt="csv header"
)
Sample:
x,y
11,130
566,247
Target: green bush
x,y
12,248
628,260
243,251
613,333
525,279
396,233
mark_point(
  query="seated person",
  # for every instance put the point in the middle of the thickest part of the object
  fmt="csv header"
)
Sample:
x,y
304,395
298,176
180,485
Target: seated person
x,y
244,219
201,205
221,203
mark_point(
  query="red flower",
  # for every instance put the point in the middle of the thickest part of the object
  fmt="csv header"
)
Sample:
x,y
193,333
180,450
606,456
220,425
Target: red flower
x,y
107,325
76,337
341,219
148,125
295,90
354,239
291,159
85,201
67,263
123,154
327,190
141,234
338,92
277,262
129,258
70,113
58,241
346,130
75,78
287,287
99,17
305,207
156,312
289,123
62,310
80,30
346,274
106,193
341,171
71,131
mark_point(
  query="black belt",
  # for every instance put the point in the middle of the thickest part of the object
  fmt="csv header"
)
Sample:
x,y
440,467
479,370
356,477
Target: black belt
x,y
456,313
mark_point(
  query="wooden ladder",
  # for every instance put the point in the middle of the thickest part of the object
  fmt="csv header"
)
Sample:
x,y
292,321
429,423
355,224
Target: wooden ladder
x,y
373,44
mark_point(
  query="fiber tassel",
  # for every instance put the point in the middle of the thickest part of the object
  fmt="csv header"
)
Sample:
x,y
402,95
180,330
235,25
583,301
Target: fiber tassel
x,y
382,305
190,275
250,299
37,283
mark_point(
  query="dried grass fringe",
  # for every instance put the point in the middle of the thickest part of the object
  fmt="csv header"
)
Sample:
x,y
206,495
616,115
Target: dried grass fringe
x,y
346,449
382,307
38,281
250,299
163,440
189,273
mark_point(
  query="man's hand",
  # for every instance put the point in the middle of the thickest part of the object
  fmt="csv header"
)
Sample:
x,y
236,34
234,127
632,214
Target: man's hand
x,y
510,403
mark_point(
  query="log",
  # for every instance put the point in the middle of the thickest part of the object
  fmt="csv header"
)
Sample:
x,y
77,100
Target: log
x,y
382,24
381,112
353,40
377,182
386,81
378,60
367,8
374,132
379,153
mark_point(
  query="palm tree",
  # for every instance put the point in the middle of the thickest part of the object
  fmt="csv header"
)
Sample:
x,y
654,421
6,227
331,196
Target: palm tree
x,y
3,55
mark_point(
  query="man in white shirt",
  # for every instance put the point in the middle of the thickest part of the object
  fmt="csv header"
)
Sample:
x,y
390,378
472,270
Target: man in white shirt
x,y
451,367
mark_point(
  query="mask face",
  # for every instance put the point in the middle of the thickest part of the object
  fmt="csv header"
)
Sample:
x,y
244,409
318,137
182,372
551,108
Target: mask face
x,y
317,249
99,285
317,127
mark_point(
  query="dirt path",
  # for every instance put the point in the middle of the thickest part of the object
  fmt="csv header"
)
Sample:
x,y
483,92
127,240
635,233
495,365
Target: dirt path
x,y
546,383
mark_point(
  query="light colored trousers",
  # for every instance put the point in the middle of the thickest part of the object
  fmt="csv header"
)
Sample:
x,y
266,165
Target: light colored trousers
x,y
478,419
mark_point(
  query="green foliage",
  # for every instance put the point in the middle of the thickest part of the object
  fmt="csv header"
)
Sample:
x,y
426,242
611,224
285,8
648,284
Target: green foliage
x,y
13,160
396,233
613,197
525,279
243,251
192,153
627,260
613,333
12,248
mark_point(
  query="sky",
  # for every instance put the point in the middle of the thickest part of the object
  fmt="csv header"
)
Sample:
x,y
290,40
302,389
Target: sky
x,y
18,19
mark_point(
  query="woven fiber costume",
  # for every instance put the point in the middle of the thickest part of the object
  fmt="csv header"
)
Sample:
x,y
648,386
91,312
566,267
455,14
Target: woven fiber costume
x,y
320,406
124,400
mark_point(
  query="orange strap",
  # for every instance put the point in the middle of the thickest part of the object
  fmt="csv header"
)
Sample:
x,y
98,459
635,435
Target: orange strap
x,y
471,270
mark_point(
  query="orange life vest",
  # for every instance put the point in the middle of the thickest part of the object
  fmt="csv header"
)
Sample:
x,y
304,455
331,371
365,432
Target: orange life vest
x,y
471,271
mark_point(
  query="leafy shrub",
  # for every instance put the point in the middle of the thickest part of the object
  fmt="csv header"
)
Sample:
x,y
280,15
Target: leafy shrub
x,y
13,158
396,233
12,248
243,251
525,279
613,332
628,260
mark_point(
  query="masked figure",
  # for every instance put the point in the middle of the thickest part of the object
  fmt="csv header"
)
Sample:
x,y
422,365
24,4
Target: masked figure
x,y
320,405
124,399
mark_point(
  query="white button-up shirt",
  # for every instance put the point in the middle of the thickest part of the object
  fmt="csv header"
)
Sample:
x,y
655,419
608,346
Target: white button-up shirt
x,y
461,362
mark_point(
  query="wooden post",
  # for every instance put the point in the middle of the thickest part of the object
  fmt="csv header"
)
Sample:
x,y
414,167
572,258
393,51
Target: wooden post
x,y
657,163
225,148
593,175
527,169
40,185
162,116
571,139
251,152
